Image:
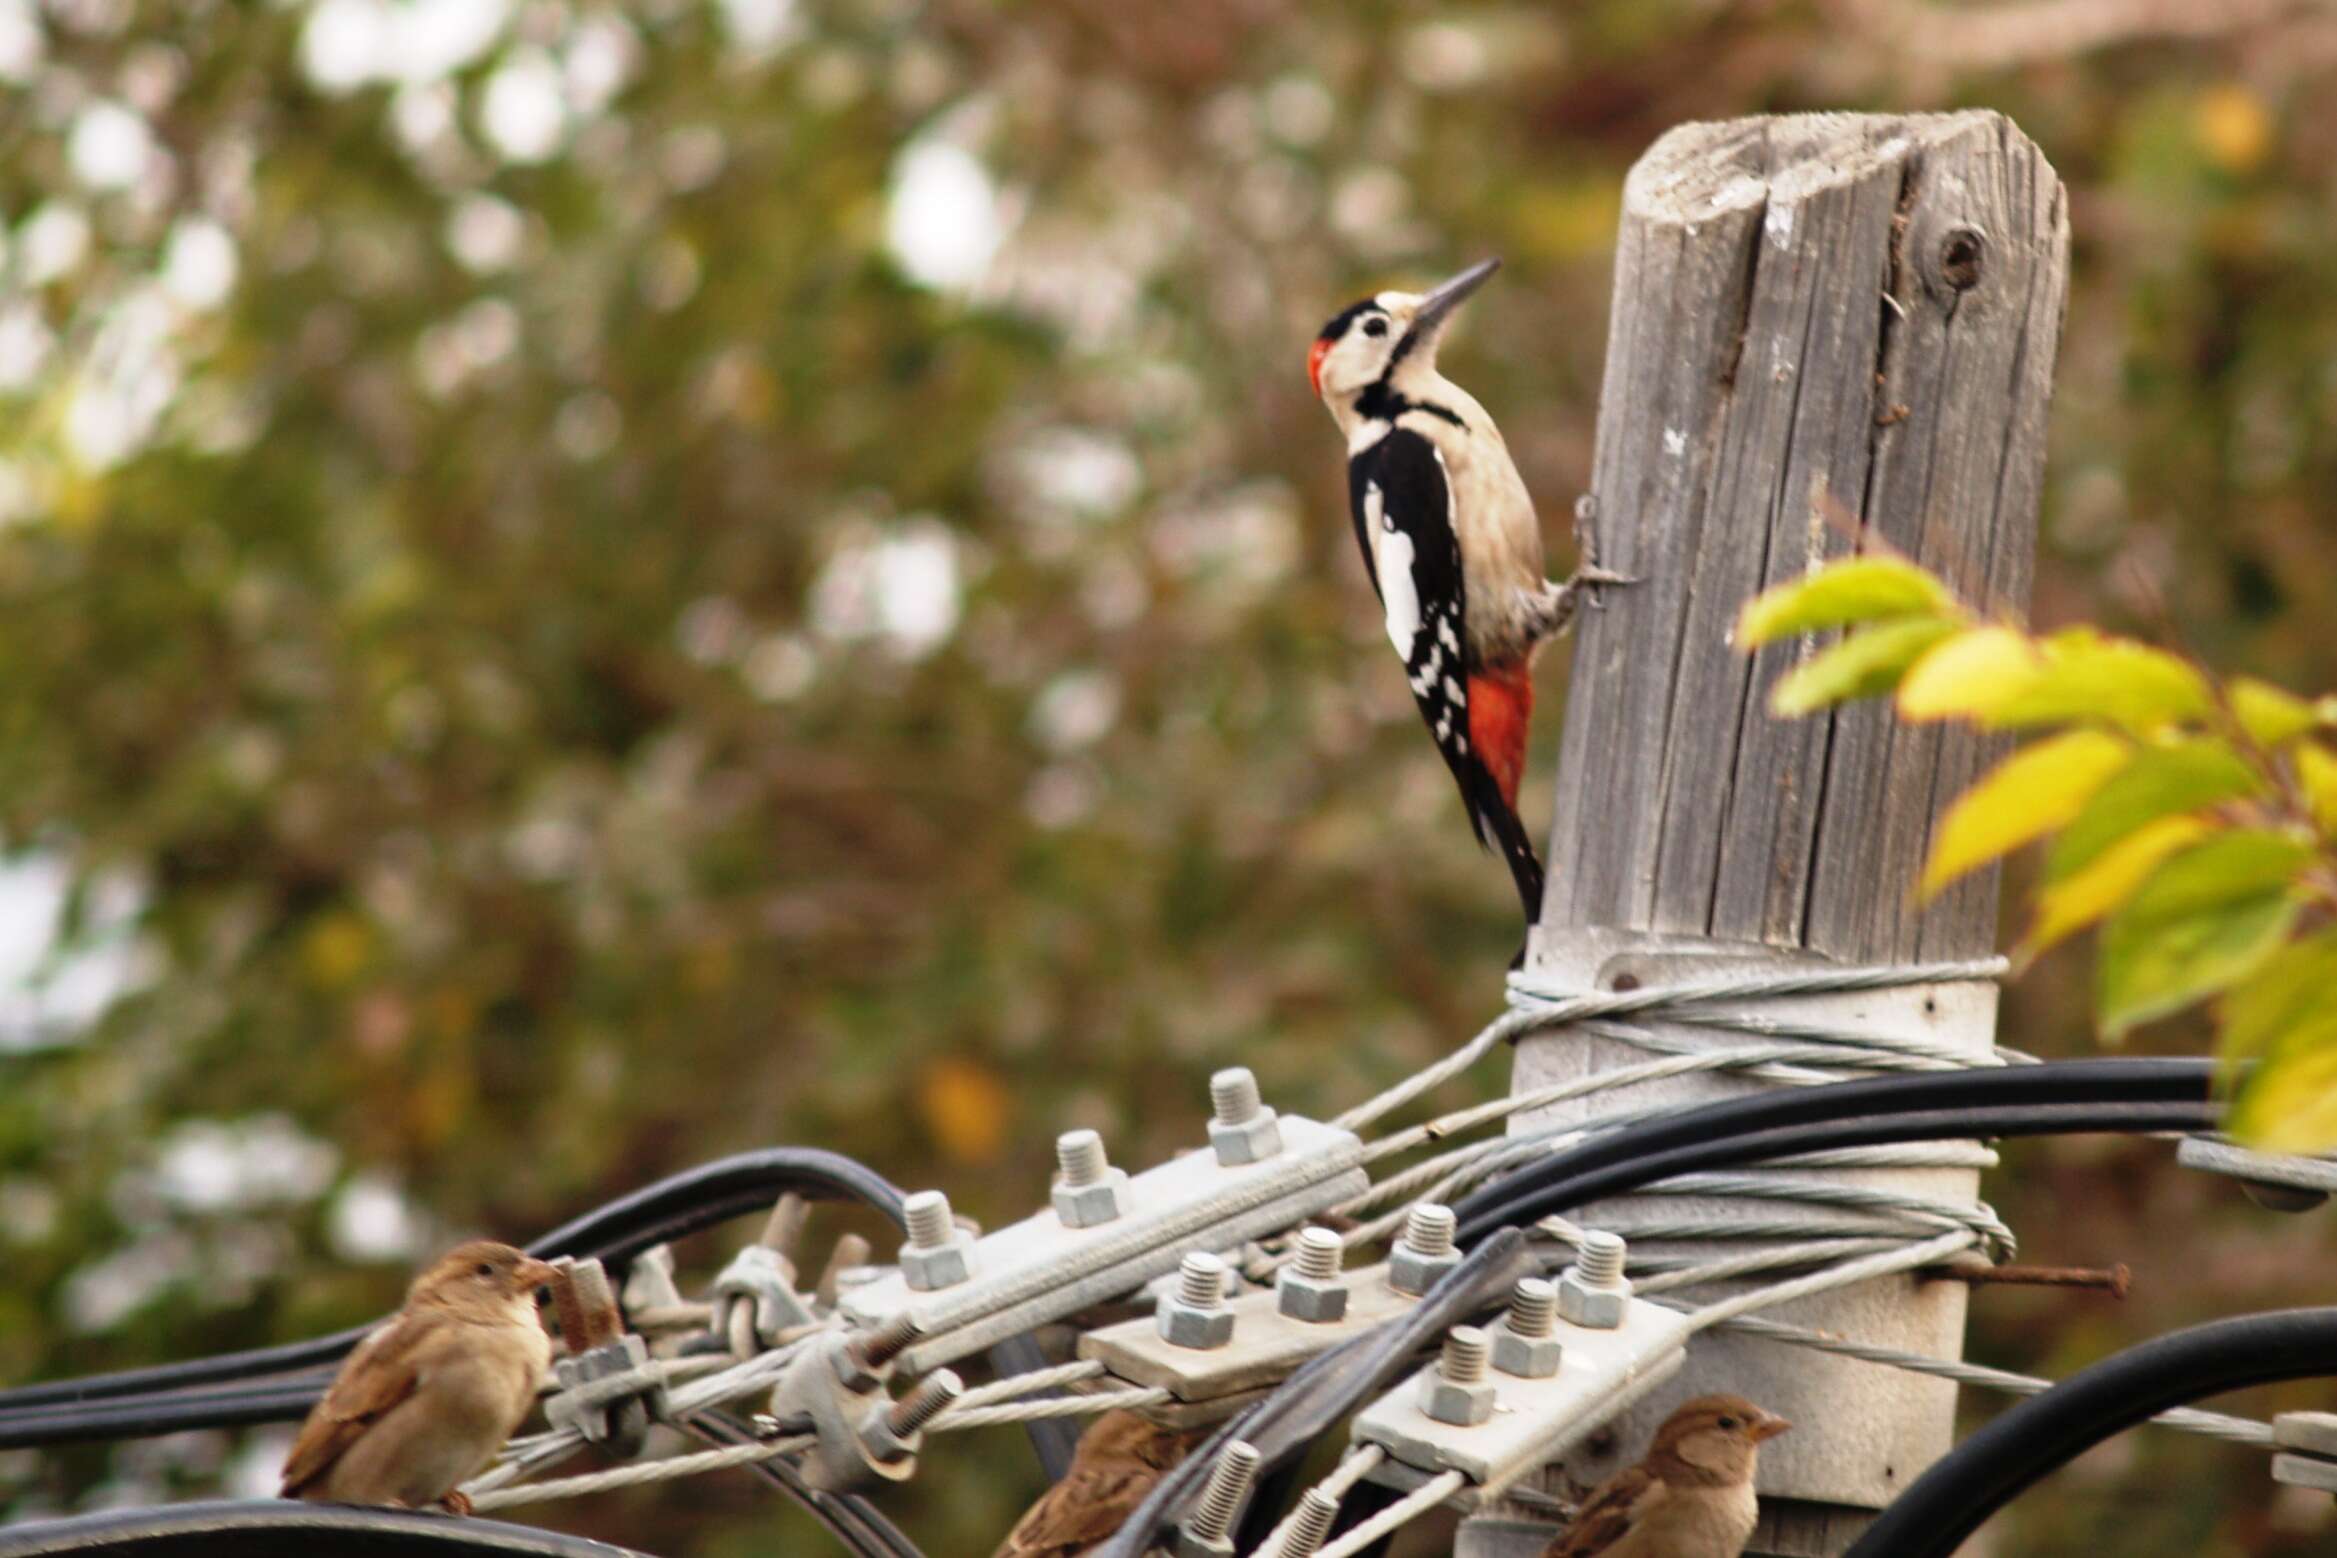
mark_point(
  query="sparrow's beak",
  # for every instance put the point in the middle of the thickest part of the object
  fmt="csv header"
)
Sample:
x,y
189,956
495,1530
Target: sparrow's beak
x,y
1769,1427
1440,303
534,1273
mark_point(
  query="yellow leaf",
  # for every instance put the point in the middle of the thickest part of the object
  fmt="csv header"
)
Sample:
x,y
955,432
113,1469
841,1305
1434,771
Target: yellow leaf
x,y
1968,675
336,949
2233,127
2113,681
2289,1104
2029,794
2272,716
2316,770
1858,589
1866,662
965,1108
2069,906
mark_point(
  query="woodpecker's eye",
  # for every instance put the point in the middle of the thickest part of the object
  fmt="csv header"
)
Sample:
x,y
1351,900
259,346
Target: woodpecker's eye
x,y
1375,326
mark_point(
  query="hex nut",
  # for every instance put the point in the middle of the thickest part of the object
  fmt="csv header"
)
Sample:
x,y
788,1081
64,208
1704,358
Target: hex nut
x,y
1090,1206
937,1266
1254,1140
1526,1357
1191,1546
1450,1402
1595,1308
1188,1325
1310,1298
1411,1272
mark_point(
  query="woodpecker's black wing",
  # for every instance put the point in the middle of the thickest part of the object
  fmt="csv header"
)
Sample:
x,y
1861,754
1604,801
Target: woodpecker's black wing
x,y
1402,507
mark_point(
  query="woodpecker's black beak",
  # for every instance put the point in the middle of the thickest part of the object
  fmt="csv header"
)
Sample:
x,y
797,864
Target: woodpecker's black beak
x,y
1439,304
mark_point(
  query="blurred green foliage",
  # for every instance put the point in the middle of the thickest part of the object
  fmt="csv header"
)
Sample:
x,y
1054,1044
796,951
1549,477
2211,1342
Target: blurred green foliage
x,y
583,586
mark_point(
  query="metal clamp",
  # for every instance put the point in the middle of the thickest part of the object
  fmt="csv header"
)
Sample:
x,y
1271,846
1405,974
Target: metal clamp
x,y
2276,1182
605,1390
2306,1450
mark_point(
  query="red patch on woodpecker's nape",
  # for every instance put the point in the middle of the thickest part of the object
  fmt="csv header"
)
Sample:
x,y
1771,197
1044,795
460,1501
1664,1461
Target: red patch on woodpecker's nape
x,y
1314,362
1501,707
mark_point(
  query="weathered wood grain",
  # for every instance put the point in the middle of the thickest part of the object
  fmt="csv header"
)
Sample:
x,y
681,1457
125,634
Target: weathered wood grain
x,y
1825,328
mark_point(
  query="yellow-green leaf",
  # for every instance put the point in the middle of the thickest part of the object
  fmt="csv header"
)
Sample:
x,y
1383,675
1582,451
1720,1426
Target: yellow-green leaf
x,y
2316,770
2107,680
2068,906
2029,794
2289,1103
2295,989
2205,918
1968,675
1858,589
1869,661
2272,716
2160,782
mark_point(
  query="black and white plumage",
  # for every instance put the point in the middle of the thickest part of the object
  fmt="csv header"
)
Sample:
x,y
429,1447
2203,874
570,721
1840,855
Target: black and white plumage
x,y
1452,546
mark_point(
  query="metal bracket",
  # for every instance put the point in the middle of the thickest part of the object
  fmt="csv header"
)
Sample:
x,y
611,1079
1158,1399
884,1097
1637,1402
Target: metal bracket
x,y
2275,1181
766,1277
614,1416
1267,1346
2306,1443
1039,1270
817,1388
1534,1420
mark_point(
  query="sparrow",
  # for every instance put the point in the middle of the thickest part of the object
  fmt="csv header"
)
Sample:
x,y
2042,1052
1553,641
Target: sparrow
x,y
1692,1497
427,1399
1119,1460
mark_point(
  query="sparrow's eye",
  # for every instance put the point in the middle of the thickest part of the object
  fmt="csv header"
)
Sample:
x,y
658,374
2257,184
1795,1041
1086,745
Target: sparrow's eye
x,y
486,1268
1730,1422
1375,326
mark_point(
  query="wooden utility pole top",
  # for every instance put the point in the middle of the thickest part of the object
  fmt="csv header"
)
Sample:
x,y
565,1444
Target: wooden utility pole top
x,y
1824,327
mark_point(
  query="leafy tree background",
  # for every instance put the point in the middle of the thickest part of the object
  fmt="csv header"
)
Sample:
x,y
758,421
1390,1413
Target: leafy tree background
x,y
585,586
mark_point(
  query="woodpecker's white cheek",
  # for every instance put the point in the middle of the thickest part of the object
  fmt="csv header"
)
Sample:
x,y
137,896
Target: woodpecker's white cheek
x,y
1391,552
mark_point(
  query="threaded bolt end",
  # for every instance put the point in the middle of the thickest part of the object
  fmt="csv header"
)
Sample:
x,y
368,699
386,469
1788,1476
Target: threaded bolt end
x,y
1080,1154
922,1405
1467,1349
930,1223
1233,1095
1429,1230
1533,1308
1229,1484
1599,1260
1201,1280
874,1349
1318,1254
1317,1513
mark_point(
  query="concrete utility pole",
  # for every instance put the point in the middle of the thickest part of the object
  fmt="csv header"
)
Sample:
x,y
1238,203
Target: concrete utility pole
x,y
1823,326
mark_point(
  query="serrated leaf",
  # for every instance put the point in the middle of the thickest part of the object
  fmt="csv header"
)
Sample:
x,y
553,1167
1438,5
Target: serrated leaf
x,y
2289,1103
1968,675
2106,680
1870,661
2160,782
2029,794
2272,716
2206,918
2316,770
1857,589
2066,907
2295,989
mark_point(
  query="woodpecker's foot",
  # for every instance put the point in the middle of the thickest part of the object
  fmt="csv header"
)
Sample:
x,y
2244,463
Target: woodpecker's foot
x,y
456,1503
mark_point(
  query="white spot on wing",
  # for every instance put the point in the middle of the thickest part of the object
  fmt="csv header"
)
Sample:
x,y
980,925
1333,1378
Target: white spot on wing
x,y
1392,561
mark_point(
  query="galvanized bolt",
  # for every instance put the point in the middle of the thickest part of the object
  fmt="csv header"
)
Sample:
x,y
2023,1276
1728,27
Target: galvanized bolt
x,y
1208,1531
1456,1390
891,1432
1594,1293
1194,1313
865,1354
1309,1287
1524,1346
1242,1129
937,1254
1311,1524
1425,1253
1091,1191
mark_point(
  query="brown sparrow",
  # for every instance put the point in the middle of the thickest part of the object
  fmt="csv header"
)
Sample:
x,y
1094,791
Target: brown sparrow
x,y
1692,1497
1119,1460
429,1397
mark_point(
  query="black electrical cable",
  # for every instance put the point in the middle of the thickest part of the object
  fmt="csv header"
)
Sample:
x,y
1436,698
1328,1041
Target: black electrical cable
x,y
1673,1137
2044,1433
290,1528
681,1204
849,1518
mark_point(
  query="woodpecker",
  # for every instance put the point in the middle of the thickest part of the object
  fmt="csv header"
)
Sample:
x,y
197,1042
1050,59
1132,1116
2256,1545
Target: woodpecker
x,y
1451,545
